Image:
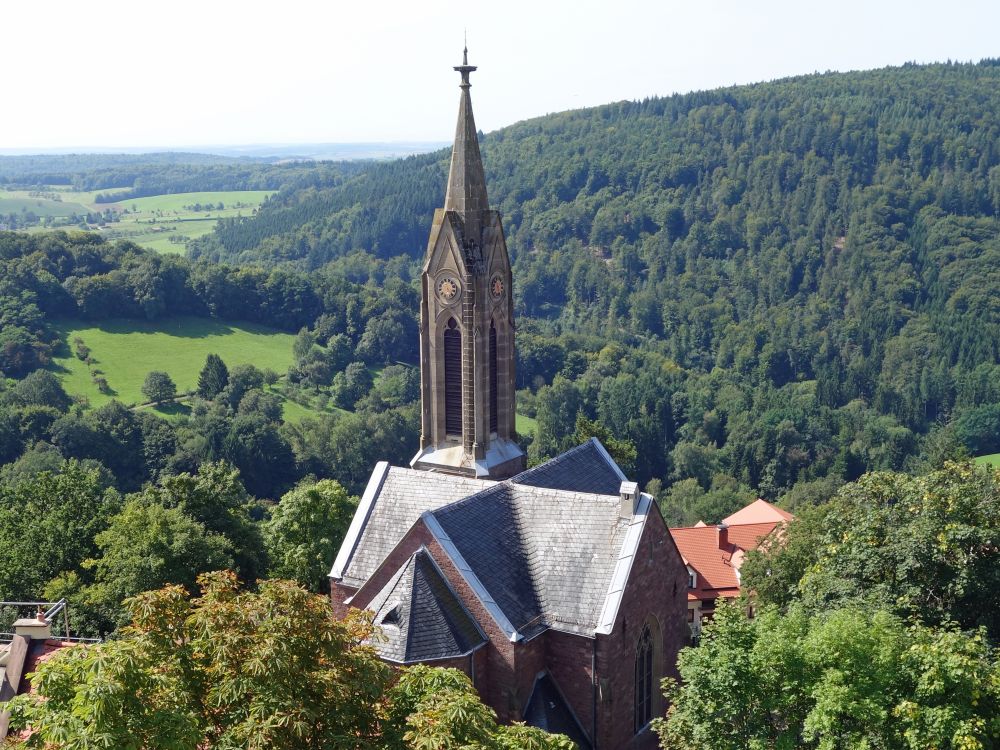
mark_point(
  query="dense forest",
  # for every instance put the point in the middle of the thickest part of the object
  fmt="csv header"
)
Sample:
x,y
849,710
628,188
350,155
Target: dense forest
x,y
799,278
97,504
765,290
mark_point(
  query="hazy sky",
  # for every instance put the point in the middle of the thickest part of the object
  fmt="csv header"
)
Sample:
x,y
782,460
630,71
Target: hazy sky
x,y
127,73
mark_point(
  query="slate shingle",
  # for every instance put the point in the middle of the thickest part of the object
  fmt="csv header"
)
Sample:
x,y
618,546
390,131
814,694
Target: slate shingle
x,y
404,495
543,544
420,617
545,556
585,468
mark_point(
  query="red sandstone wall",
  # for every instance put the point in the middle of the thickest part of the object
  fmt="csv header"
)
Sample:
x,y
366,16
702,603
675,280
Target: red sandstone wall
x,y
657,586
499,683
338,594
505,672
569,659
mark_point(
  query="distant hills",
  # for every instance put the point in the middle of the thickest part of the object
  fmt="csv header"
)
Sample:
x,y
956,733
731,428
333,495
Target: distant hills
x,y
829,241
89,157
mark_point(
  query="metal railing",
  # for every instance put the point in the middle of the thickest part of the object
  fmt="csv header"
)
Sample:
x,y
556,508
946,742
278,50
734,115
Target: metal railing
x,y
50,611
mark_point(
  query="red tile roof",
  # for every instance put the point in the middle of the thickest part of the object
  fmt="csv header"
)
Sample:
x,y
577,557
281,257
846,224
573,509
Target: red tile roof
x,y
716,564
37,653
759,511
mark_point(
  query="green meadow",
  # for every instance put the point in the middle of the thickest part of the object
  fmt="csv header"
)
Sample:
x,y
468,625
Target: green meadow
x,y
166,222
163,223
19,201
525,425
125,351
991,460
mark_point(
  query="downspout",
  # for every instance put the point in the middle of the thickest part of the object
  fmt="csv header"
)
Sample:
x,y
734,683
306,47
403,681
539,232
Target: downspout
x,y
593,693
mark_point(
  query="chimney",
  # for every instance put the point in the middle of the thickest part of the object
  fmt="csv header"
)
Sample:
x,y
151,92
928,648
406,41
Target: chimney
x,y
36,628
627,496
723,536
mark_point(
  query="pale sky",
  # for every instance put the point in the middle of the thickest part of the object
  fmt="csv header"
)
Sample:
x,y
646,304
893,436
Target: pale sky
x,y
107,73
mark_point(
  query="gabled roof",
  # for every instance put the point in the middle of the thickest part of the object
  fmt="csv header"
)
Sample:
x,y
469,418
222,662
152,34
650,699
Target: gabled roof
x,y
420,617
548,710
536,550
585,468
759,511
549,556
717,563
391,504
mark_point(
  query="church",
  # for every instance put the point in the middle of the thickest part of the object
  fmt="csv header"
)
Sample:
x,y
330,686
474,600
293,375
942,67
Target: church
x,y
558,589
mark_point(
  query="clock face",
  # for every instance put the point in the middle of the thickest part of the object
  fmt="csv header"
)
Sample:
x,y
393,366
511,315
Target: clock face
x,y
448,288
496,287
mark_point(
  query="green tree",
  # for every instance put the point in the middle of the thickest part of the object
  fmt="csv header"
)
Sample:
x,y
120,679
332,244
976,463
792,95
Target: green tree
x,y
158,387
622,451
242,380
147,546
305,531
40,388
433,709
48,523
214,376
231,668
926,547
351,385
215,498
846,678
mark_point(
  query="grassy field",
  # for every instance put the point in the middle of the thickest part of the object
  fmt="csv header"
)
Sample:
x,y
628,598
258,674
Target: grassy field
x,y
19,201
166,222
125,351
161,222
525,425
991,460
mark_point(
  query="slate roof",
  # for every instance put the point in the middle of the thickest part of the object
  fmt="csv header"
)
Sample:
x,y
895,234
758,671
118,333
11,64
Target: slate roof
x,y
548,710
585,468
399,498
549,556
538,550
420,617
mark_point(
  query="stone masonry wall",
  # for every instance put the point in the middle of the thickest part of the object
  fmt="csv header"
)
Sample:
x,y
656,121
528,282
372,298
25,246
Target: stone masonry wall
x,y
656,592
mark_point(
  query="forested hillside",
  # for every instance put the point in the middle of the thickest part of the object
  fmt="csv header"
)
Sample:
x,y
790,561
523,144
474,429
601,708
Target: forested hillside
x,y
800,278
139,175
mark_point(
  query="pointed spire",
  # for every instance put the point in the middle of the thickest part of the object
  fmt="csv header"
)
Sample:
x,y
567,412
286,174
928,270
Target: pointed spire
x,y
466,179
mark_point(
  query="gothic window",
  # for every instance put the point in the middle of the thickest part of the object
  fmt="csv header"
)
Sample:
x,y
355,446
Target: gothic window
x,y
452,379
644,680
493,376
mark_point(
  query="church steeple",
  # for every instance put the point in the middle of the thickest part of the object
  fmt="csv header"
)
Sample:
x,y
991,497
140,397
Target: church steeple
x,y
467,323
466,179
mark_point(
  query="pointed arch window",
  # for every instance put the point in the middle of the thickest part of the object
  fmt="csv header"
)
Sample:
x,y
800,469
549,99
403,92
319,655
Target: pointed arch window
x,y
643,679
452,378
493,376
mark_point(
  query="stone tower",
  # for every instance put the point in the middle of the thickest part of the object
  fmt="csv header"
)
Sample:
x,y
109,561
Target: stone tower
x,y
467,324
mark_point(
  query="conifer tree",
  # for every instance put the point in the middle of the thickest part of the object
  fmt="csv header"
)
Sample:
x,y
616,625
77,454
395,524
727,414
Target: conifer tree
x,y
213,378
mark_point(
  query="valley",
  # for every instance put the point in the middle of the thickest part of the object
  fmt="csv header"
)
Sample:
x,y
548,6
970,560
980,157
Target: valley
x,y
164,223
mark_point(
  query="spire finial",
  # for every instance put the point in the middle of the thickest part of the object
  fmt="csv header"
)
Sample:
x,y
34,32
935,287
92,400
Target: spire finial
x,y
465,68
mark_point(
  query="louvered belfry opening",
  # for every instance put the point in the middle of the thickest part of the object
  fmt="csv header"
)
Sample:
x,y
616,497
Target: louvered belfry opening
x,y
452,379
493,376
